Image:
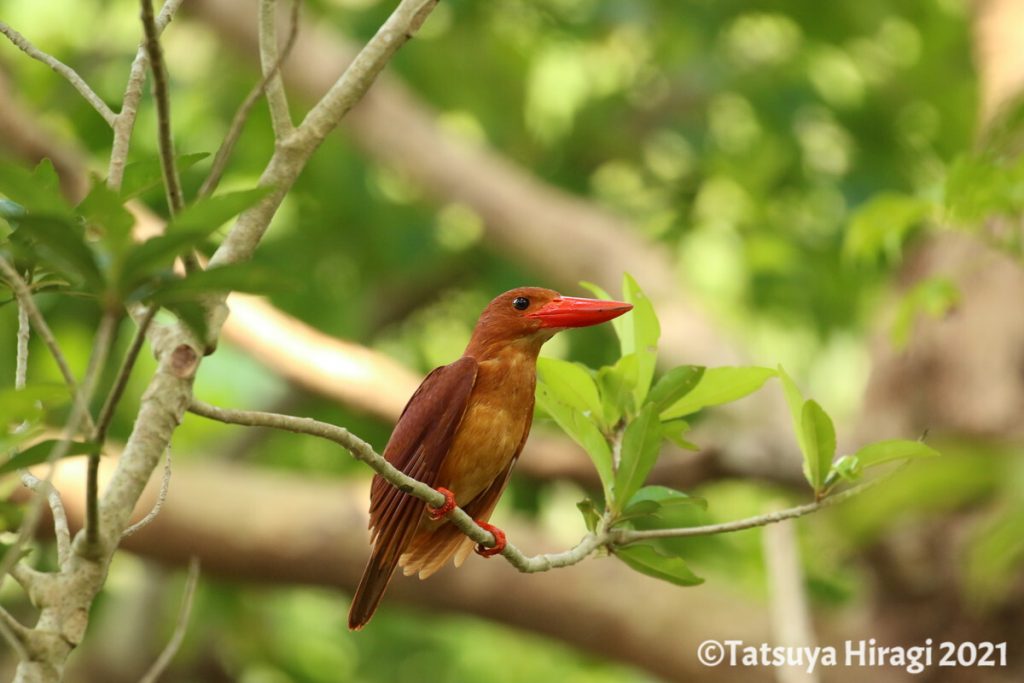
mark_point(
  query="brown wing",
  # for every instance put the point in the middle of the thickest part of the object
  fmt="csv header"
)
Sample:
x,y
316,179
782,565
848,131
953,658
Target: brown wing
x,y
431,548
417,447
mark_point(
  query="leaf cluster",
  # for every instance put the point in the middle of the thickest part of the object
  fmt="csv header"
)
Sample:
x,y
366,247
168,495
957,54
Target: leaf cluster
x,y
88,250
621,417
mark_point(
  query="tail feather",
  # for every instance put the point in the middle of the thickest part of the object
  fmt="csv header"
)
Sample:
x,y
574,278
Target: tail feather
x,y
376,578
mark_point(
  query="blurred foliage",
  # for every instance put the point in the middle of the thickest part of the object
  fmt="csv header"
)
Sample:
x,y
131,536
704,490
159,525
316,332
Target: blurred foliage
x,y
783,151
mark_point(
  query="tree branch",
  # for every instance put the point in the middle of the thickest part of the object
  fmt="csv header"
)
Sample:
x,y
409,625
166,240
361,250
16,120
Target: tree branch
x,y
227,146
172,183
21,360
63,69
364,452
62,534
124,123
15,633
291,154
277,99
626,536
28,304
103,423
165,485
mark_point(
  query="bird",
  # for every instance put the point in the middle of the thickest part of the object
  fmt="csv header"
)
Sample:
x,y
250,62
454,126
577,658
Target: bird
x,y
461,433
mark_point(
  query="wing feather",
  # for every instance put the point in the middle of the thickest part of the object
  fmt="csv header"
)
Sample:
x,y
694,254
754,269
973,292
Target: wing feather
x,y
417,447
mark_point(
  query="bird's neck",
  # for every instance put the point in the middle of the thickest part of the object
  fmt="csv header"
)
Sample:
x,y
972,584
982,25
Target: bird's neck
x,y
512,352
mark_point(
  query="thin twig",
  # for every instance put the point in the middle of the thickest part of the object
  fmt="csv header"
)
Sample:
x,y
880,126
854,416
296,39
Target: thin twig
x,y
63,69
21,362
123,375
99,435
25,300
27,577
280,116
165,485
220,160
172,183
180,626
624,536
15,633
124,124
60,518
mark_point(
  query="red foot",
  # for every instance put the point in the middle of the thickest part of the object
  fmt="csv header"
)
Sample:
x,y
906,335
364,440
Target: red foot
x,y
499,540
449,505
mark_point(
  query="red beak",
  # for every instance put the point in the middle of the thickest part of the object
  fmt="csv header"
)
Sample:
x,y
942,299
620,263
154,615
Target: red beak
x,y
570,311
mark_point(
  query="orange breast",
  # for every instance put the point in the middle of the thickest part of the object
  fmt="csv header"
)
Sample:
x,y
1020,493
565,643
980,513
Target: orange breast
x,y
493,427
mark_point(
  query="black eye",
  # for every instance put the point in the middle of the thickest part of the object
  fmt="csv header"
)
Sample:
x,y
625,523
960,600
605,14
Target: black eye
x,y
520,303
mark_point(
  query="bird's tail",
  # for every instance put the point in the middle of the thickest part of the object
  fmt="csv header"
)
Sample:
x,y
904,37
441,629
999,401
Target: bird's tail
x,y
376,578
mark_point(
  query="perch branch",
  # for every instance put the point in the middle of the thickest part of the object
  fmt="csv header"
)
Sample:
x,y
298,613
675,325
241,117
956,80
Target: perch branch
x,y
63,69
364,452
626,536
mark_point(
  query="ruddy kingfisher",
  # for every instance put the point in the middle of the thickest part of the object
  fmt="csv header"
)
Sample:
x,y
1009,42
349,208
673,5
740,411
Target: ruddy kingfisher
x,y
461,433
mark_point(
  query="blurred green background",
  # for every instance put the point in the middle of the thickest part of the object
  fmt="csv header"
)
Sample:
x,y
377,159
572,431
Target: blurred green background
x,y
746,138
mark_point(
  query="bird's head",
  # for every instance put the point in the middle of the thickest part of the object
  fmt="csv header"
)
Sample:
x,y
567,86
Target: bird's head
x,y
532,315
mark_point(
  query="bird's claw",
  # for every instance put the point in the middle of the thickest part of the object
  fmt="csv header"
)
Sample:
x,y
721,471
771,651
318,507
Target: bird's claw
x,y
436,513
499,540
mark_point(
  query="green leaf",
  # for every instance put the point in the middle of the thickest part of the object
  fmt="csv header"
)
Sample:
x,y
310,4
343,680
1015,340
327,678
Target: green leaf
x,y
591,515
58,243
795,401
675,384
933,296
582,430
819,436
980,186
571,384
646,560
641,444
642,336
19,405
104,213
894,449
880,226
139,176
235,277
619,324
193,315
40,453
847,466
717,386
211,213
36,191
10,212
659,501
615,383
155,256
673,430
